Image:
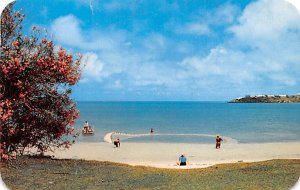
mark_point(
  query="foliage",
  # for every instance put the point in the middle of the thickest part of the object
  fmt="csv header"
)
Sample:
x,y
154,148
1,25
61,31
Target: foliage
x,y
35,81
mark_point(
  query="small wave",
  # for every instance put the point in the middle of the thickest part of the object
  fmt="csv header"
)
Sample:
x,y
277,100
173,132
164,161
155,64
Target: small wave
x,y
109,136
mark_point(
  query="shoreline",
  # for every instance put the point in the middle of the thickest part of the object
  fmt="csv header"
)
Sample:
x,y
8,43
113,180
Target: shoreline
x,y
108,137
165,155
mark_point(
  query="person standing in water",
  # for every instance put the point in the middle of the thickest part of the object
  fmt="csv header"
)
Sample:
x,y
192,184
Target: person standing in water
x,y
218,141
151,131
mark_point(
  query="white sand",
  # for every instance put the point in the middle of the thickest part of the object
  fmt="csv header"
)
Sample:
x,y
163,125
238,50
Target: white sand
x,y
165,155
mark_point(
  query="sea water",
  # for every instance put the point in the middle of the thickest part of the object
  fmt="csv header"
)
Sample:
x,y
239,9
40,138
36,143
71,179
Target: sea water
x,y
191,122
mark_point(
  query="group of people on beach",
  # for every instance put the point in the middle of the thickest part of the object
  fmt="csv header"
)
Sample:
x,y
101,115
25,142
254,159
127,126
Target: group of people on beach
x,y
182,161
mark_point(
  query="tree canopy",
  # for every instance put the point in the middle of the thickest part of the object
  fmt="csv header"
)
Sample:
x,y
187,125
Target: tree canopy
x,y
35,85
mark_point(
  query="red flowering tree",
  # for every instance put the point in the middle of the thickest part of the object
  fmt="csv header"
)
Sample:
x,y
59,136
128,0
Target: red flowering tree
x,y
35,80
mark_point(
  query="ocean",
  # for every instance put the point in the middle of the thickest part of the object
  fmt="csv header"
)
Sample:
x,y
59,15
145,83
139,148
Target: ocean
x,y
191,122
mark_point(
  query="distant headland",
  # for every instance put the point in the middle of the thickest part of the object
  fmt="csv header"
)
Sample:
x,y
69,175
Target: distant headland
x,y
267,99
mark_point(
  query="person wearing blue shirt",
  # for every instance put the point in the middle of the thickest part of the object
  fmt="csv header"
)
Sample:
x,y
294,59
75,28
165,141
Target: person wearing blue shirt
x,y
182,160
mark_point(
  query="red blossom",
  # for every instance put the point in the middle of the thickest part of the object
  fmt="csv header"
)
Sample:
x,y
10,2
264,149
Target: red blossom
x,y
22,95
5,156
61,53
15,43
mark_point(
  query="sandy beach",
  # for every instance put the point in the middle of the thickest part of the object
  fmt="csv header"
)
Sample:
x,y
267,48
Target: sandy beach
x,y
165,155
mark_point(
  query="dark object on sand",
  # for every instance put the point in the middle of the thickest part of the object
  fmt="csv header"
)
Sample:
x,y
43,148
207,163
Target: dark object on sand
x,y
117,143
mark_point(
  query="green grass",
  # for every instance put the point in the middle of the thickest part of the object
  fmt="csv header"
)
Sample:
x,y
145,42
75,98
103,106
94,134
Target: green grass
x,y
43,173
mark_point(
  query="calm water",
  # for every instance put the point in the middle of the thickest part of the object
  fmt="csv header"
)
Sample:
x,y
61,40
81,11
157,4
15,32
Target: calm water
x,y
246,123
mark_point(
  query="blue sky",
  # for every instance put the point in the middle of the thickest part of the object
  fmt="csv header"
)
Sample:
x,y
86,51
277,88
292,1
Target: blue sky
x,y
194,50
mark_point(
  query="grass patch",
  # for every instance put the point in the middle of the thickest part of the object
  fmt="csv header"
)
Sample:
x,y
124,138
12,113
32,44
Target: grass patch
x,y
45,173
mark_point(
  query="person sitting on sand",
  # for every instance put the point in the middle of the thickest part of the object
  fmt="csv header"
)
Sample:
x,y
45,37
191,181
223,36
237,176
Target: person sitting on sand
x,y
182,160
218,141
117,143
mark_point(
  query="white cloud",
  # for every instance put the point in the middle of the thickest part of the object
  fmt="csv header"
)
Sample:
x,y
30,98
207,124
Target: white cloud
x,y
284,79
92,67
67,31
157,74
203,23
266,20
155,42
263,51
184,47
234,67
194,28
117,84
230,66
100,66
224,14
114,5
